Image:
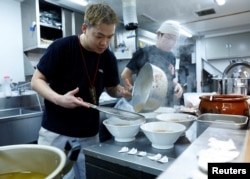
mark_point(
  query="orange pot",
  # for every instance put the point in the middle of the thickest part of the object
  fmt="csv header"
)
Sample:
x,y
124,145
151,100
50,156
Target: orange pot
x,y
224,104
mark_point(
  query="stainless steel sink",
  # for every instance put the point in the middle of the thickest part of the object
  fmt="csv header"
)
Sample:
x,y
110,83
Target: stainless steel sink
x,y
19,125
16,112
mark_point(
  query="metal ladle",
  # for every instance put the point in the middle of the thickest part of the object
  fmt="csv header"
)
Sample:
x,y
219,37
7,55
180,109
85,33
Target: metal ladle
x,y
122,114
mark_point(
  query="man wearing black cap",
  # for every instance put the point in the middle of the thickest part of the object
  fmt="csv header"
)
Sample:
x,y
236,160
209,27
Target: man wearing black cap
x,y
159,55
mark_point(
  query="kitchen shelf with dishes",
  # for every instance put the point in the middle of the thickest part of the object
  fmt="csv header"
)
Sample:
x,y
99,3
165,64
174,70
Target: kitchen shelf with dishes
x,y
41,24
44,22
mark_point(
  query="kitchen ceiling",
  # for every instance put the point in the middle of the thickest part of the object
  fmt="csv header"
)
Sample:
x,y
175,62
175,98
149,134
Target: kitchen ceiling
x,y
233,17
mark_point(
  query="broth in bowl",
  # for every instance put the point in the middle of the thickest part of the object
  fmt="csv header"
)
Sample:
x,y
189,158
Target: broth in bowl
x,y
162,130
181,118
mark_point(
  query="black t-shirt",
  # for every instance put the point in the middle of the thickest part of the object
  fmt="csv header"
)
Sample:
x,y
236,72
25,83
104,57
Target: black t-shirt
x,y
159,58
62,64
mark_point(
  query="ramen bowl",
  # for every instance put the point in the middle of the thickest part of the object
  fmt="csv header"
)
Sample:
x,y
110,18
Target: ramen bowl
x,y
123,130
162,135
181,118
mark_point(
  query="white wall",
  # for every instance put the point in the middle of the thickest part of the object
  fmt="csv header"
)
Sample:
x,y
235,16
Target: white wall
x,y
11,54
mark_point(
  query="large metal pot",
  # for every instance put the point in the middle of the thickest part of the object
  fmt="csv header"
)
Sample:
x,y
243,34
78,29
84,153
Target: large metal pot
x,y
37,161
150,89
236,78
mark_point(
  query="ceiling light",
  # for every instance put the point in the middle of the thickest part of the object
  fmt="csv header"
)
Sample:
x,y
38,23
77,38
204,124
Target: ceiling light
x,y
186,33
80,2
220,2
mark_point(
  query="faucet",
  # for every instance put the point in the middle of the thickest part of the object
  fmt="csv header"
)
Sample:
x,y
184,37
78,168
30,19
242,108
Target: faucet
x,y
20,87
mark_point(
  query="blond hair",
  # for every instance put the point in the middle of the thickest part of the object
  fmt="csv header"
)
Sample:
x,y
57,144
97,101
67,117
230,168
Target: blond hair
x,y
100,13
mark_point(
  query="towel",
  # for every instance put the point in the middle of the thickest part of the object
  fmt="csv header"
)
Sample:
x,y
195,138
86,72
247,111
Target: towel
x,y
218,151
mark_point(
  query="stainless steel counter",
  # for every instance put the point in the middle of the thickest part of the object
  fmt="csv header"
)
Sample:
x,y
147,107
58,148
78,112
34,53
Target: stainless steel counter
x,y
187,162
108,151
183,157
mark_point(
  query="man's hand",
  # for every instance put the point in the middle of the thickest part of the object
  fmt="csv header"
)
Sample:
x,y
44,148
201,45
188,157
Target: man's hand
x,y
69,100
178,90
128,86
126,93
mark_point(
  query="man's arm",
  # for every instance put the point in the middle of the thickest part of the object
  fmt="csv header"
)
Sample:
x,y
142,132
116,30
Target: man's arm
x,y
127,79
